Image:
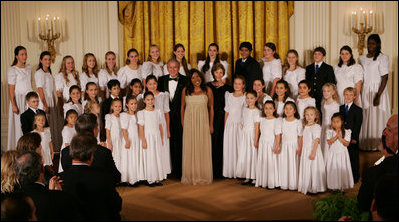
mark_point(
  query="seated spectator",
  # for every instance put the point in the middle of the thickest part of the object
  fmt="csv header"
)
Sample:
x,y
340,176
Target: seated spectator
x,y
93,187
50,204
385,203
9,181
17,206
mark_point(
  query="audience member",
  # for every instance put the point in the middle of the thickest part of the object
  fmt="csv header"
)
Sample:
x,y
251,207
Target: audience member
x,y
17,206
9,181
30,142
385,203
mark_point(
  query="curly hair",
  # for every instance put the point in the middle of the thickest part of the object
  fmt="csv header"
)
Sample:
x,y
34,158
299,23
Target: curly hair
x,y
8,177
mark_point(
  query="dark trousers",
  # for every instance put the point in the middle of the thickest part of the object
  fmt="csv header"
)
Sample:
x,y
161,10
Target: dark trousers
x,y
176,143
353,150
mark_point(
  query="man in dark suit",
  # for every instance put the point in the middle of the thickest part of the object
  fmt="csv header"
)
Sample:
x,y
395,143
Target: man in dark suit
x,y
353,120
87,124
174,83
51,203
247,66
318,74
28,116
114,87
93,188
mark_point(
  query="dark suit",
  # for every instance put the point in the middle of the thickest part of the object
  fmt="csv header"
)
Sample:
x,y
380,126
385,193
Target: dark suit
x,y
95,191
250,69
176,130
27,119
52,204
353,121
325,75
102,160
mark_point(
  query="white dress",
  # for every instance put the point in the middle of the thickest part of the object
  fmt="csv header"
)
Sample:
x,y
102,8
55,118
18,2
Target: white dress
x,y
293,78
374,117
271,70
338,164
104,77
347,76
21,79
46,152
208,74
280,106
70,105
84,79
312,173
247,153
302,104
152,156
267,174
232,131
152,68
67,135
139,99
181,70
130,158
328,111
288,160
162,103
62,86
113,124
126,74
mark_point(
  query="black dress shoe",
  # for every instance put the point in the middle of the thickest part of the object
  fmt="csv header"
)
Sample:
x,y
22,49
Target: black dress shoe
x,y
246,182
158,184
152,184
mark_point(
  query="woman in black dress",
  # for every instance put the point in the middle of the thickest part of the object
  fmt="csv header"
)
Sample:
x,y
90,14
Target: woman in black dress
x,y
219,90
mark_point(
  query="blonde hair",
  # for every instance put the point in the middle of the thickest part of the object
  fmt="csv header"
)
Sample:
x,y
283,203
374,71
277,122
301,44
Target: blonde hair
x,y
149,50
8,177
75,73
35,118
335,96
286,65
89,106
316,111
115,69
350,89
85,67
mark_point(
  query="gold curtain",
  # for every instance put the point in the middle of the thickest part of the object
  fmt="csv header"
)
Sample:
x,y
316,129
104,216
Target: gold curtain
x,y
196,24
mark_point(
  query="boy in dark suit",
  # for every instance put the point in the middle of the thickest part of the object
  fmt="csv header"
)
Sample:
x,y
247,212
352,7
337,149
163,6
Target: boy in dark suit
x,y
247,66
27,117
318,74
353,116
114,87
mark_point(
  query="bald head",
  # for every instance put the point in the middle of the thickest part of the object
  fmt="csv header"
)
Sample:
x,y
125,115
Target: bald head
x,y
391,133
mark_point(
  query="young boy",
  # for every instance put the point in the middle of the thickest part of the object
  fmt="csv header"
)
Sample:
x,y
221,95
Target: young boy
x,y
247,66
114,87
353,116
32,99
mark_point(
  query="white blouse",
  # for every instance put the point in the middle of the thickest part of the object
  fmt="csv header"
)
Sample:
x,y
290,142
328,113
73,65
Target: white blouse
x,y
152,68
126,74
62,86
347,76
104,77
21,78
293,78
208,74
271,70
84,79
46,81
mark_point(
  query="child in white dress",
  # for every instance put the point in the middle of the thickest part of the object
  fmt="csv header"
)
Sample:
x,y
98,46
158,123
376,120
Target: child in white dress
x,y
212,58
293,72
154,65
312,174
262,97
131,152
291,147
66,78
74,101
330,105
89,71
132,69
304,99
234,106
271,67
68,132
47,145
114,131
135,89
248,146
151,141
267,174
338,165
109,72
91,94
281,96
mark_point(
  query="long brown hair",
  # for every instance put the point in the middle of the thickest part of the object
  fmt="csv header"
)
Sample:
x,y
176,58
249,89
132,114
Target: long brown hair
x,y
183,60
286,66
16,52
115,68
64,71
85,67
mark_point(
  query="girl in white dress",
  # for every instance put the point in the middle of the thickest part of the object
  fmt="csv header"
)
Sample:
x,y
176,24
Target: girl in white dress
x,y
132,69
162,104
213,57
282,96
114,131
271,67
131,152
304,99
312,174
74,101
267,174
19,84
89,71
109,72
154,65
68,132
330,105
91,94
375,98
338,165
47,145
293,72
66,78
348,74
291,147
135,89
234,106
151,141
249,142
178,54
262,97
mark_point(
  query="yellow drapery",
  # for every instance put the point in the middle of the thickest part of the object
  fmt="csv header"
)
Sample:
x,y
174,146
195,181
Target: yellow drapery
x,y
196,24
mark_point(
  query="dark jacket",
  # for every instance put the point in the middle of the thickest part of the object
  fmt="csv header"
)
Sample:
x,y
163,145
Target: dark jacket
x,y
27,119
353,120
250,69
